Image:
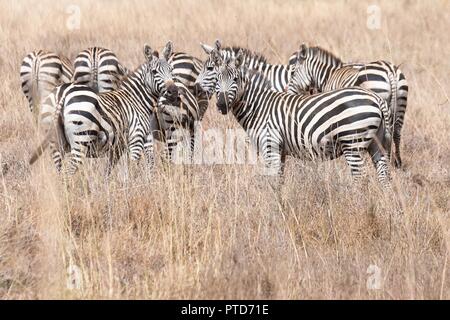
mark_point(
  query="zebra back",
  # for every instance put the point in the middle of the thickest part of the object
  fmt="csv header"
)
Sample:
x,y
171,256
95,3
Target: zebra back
x,y
186,68
277,74
67,69
99,69
327,72
40,72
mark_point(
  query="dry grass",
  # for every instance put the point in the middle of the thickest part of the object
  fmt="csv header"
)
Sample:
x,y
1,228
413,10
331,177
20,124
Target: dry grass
x,y
219,231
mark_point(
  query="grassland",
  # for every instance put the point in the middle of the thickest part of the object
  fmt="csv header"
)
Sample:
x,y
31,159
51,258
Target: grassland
x,y
219,231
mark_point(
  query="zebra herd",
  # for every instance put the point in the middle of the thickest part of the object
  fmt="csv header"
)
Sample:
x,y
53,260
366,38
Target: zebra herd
x,y
98,107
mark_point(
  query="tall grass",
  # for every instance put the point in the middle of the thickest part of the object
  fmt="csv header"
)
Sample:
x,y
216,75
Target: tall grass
x,y
221,231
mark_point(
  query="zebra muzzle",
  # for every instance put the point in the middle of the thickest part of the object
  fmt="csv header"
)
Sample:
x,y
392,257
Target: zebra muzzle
x,y
171,93
222,103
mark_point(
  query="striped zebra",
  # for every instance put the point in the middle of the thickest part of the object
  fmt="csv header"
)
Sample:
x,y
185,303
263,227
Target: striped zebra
x,y
186,69
326,72
277,74
92,124
191,105
99,69
346,122
175,115
41,71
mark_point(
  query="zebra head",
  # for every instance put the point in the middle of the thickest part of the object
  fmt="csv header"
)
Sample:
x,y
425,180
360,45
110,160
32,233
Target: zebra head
x,y
207,78
301,77
229,86
159,77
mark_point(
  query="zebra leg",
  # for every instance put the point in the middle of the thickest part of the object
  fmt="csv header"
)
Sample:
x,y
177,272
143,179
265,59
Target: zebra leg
x,y
135,149
170,144
381,162
78,153
136,145
397,138
149,150
386,144
173,137
274,158
57,149
355,161
282,166
186,136
382,167
191,145
57,156
272,155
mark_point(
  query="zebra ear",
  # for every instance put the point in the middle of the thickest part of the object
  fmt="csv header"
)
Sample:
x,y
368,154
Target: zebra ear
x,y
218,44
302,52
238,61
168,50
148,53
206,48
123,71
216,57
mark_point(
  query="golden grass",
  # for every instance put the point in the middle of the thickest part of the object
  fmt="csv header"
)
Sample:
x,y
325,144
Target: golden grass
x,y
219,231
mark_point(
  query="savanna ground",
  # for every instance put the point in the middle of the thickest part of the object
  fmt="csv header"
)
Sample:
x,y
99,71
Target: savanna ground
x,y
220,231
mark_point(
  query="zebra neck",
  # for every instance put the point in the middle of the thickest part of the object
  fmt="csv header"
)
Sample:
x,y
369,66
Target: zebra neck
x,y
137,76
137,87
252,59
277,74
247,105
322,73
256,63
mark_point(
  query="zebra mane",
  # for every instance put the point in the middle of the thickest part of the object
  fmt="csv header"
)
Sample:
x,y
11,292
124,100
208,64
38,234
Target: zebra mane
x,y
258,78
132,74
325,55
256,58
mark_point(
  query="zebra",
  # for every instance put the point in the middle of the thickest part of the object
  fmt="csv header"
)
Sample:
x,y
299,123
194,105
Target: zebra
x,y
186,69
191,105
40,72
278,74
99,69
323,70
176,114
93,124
346,121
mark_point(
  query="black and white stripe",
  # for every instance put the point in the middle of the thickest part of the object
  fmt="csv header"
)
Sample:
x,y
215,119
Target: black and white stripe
x,y
323,70
277,74
99,69
176,116
92,124
41,71
324,126
186,69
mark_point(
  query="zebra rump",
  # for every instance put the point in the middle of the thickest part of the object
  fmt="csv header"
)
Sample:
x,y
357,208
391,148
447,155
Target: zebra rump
x,y
99,69
40,72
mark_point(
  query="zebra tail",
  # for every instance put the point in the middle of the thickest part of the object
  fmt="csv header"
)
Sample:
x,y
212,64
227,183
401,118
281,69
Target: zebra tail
x,y
35,85
393,103
51,133
93,81
387,116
